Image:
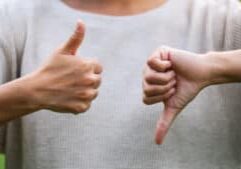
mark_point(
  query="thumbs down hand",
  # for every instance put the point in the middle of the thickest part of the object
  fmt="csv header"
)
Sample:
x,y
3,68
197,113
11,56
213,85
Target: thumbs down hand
x,y
173,77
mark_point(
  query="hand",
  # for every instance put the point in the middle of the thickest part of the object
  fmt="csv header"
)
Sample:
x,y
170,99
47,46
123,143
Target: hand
x,y
67,83
173,77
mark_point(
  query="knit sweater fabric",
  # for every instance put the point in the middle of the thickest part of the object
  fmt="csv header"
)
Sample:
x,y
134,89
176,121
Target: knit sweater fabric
x,y
118,131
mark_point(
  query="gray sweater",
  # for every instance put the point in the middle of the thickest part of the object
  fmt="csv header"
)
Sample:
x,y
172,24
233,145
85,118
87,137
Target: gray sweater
x,y
118,131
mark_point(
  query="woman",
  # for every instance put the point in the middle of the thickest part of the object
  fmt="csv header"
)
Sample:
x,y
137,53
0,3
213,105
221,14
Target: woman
x,y
117,131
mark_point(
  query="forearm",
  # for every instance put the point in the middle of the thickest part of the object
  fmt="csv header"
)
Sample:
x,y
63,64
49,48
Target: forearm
x,y
17,99
225,67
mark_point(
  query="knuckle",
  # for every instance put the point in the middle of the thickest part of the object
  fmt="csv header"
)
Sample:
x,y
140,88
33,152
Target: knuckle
x,y
76,109
151,90
161,89
98,69
80,108
91,80
96,65
147,90
92,94
146,101
98,79
89,94
85,107
164,89
149,77
163,66
84,95
151,60
164,79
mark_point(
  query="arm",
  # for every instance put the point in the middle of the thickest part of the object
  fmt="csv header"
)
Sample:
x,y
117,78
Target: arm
x,y
65,83
225,67
17,99
192,73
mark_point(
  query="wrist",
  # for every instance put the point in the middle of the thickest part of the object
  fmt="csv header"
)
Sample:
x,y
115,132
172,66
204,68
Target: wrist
x,y
29,85
215,68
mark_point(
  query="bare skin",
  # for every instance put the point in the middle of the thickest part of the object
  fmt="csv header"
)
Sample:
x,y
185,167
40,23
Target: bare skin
x,y
115,7
76,84
191,73
73,88
64,83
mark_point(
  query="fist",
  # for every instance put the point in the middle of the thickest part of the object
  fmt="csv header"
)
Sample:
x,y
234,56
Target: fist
x,y
159,79
66,83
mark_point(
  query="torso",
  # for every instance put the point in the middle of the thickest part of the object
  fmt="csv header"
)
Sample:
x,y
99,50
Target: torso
x,y
118,131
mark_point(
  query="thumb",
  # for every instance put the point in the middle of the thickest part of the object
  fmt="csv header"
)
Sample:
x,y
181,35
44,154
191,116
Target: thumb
x,y
74,42
165,122
165,53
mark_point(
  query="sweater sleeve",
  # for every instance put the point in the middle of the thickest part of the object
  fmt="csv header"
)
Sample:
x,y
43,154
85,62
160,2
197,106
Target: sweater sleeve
x,y
215,25
232,32
9,60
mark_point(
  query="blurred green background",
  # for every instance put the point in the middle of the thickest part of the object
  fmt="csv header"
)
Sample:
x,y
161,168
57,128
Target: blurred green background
x,y
2,162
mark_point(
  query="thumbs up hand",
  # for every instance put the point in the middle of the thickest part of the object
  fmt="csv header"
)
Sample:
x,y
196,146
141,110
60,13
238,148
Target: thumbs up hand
x,y
173,77
66,83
